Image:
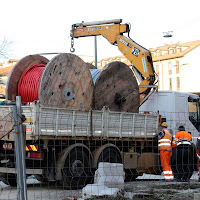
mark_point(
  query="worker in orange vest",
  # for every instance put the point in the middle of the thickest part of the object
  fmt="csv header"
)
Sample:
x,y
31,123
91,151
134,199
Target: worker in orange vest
x,y
198,154
165,149
182,142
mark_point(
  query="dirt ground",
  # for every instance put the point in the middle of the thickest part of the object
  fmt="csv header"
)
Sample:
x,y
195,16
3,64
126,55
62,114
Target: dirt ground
x,y
147,187
161,190
157,190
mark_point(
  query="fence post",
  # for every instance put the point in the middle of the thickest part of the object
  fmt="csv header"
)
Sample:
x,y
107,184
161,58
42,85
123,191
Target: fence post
x,y
20,150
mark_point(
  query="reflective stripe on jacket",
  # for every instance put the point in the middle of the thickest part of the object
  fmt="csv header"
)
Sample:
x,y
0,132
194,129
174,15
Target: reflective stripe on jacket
x,y
165,142
174,142
182,137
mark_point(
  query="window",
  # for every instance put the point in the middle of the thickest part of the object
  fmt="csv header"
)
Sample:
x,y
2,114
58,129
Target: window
x,y
193,105
159,53
178,50
171,51
177,67
193,111
178,83
170,83
170,68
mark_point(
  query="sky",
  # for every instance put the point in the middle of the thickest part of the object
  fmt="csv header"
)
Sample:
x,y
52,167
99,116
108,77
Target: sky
x,y
43,26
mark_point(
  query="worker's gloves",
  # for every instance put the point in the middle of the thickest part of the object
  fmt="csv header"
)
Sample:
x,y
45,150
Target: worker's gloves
x,y
161,134
156,136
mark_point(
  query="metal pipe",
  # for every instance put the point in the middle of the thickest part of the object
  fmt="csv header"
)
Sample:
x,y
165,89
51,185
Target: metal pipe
x,y
20,191
113,21
95,50
20,151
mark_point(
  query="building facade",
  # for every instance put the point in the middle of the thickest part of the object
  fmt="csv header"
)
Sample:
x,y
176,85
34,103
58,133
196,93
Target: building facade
x,y
176,65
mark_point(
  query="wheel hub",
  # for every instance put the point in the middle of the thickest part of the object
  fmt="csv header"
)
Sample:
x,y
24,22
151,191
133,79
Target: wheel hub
x,y
77,168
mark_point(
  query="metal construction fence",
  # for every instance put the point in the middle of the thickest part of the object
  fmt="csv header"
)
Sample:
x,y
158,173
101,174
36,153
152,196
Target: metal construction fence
x,y
56,153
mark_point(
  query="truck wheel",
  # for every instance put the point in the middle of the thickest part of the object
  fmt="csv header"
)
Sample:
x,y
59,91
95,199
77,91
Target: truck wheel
x,y
110,155
41,178
10,180
174,164
76,170
130,175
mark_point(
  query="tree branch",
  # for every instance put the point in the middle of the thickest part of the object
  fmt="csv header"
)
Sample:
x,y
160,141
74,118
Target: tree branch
x,y
5,48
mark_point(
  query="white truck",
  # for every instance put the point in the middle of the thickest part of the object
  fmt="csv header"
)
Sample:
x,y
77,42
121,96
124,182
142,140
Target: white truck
x,y
176,108
66,145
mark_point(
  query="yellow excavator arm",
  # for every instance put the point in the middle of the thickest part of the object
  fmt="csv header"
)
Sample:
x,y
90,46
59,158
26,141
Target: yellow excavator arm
x,y
139,57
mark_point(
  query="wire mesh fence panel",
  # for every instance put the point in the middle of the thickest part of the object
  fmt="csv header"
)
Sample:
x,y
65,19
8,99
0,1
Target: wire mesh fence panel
x,y
78,154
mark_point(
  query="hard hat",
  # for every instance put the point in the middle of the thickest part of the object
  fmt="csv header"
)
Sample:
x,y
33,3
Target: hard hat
x,y
164,124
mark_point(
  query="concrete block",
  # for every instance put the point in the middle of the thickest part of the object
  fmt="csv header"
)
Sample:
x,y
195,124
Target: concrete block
x,y
111,175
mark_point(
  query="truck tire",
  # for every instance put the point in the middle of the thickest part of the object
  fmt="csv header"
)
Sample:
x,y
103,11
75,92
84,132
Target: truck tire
x,y
11,180
111,155
76,170
174,163
130,175
41,178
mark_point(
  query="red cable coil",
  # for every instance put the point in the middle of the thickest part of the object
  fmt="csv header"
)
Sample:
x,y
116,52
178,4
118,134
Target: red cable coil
x,y
29,82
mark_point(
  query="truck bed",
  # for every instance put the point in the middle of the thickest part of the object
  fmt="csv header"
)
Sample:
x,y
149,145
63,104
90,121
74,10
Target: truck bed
x,y
45,121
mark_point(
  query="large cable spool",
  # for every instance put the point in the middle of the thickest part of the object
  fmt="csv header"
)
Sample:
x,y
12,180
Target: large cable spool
x,y
116,87
18,70
66,82
90,66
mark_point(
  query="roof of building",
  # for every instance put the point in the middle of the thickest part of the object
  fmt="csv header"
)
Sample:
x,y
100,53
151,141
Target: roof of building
x,y
184,48
6,70
13,60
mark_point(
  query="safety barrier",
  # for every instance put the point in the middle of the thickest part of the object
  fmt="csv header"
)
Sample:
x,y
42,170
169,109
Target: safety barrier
x,y
62,149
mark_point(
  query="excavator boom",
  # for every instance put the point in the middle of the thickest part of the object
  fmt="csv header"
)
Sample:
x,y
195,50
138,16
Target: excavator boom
x,y
139,57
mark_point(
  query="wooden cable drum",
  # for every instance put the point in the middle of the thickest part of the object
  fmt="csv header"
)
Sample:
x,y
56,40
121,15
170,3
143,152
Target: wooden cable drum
x,y
116,87
15,75
66,82
90,66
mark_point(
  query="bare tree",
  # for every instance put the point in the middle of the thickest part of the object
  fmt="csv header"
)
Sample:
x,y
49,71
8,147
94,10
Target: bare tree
x,y
5,48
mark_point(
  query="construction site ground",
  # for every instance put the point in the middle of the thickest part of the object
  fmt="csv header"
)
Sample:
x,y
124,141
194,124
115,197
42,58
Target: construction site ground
x,y
148,187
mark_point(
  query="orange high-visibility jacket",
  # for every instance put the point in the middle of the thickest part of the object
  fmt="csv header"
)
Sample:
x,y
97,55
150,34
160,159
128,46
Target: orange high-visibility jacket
x,y
165,142
182,137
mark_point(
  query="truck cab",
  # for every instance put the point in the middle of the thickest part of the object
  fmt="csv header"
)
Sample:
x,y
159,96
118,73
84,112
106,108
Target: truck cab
x,y
176,108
